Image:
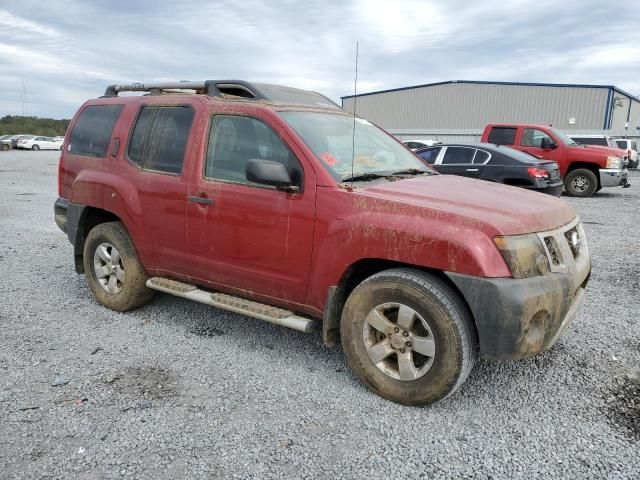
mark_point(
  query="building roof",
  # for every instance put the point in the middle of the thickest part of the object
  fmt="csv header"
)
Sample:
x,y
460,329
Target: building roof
x,y
480,82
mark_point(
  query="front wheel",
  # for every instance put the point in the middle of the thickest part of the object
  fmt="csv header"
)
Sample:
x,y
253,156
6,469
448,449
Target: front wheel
x,y
581,183
113,270
35,148
408,336
4,147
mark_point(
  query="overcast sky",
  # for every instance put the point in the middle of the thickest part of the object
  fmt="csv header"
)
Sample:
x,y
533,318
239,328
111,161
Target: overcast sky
x,y
67,51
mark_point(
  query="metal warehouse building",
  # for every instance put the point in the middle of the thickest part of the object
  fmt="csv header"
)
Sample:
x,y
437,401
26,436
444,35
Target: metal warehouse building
x,y
458,110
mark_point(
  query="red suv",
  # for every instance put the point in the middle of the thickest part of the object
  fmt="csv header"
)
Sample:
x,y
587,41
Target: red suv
x,y
274,203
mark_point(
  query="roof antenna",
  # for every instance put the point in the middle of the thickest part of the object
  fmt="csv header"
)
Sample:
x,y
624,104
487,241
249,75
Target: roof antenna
x,y
355,101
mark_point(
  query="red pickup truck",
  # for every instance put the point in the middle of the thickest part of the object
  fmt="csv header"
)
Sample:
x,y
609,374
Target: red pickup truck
x,y
275,203
585,169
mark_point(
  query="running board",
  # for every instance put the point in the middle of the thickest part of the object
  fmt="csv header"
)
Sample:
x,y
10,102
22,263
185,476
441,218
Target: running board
x,y
275,315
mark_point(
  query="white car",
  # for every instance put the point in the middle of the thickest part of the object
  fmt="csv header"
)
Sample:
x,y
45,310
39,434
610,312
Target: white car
x,y
631,146
38,143
419,143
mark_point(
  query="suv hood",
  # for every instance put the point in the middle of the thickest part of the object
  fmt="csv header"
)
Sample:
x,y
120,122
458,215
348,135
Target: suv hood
x,y
496,209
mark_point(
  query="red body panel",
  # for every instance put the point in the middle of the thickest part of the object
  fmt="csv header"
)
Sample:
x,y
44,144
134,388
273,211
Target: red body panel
x,y
287,248
563,155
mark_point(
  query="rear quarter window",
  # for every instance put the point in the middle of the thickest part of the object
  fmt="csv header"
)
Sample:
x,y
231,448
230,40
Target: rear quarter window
x,y
502,135
93,129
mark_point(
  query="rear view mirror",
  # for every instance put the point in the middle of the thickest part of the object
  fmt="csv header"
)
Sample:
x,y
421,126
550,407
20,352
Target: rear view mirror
x,y
271,173
546,142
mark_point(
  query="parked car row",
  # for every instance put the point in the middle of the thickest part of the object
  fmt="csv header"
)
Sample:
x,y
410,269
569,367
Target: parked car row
x,y
522,155
30,142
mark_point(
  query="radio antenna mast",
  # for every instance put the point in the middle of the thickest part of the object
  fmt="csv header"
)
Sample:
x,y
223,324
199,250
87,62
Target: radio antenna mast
x,y
355,101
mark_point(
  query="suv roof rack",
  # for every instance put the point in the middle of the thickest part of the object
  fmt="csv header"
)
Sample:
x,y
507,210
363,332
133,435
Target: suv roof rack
x,y
239,89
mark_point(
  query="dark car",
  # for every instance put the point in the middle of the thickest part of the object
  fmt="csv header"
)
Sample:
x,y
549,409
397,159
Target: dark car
x,y
490,162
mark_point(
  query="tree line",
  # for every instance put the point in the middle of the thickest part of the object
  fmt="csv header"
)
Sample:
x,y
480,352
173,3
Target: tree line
x,y
47,127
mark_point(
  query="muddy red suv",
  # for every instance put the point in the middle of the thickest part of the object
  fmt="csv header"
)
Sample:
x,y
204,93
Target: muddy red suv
x,y
274,203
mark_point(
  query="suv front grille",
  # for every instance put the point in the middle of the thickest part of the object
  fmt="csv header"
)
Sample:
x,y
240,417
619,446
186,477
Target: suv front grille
x,y
553,250
565,246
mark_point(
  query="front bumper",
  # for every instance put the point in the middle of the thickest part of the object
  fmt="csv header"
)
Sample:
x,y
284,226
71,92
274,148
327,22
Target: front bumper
x,y
610,177
518,318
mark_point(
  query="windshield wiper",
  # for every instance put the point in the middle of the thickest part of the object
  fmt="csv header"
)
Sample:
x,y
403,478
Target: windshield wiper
x,y
363,176
411,171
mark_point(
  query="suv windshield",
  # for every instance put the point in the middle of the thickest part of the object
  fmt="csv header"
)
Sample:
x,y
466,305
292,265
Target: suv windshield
x,y
564,138
330,137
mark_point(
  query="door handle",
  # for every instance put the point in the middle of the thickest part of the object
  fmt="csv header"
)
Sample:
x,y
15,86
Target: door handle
x,y
201,200
472,169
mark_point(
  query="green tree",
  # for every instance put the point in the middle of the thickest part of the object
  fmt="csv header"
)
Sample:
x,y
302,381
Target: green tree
x,y
48,127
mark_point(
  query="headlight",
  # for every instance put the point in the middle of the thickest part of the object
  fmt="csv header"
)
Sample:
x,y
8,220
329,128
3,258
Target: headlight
x,y
524,255
614,162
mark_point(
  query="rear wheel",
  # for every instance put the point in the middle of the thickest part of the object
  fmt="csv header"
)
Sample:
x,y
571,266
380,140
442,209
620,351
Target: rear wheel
x,y
581,183
113,270
4,147
35,148
408,336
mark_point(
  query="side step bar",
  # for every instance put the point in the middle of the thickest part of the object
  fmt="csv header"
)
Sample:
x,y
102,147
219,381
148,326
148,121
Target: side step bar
x,y
275,315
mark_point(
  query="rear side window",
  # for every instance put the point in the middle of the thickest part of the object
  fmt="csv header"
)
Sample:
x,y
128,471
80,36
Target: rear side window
x,y
502,135
430,155
92,131
621,143
634,146
160,137
140,135
458,155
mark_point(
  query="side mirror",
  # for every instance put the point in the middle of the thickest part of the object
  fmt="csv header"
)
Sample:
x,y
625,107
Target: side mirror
x,y
271,173
546,142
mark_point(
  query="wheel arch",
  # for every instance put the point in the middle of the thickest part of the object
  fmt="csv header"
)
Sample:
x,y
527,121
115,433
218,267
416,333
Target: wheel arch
x,y
81,219
355,274
586,165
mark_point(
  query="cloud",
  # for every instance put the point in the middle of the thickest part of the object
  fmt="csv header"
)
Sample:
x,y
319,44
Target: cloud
x,y
12,24
68,51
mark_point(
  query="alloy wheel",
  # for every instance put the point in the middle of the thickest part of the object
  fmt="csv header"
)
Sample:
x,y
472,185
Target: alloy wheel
x,y
399,341
109,268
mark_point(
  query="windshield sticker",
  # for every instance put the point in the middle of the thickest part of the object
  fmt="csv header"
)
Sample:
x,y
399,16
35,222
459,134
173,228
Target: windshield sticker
x,y
329,159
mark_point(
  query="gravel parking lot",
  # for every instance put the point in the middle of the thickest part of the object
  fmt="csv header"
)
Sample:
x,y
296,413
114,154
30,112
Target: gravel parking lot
x,y
180,390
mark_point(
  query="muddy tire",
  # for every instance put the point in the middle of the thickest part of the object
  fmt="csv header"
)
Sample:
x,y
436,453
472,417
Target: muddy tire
x,y
113,270
581,183
408,336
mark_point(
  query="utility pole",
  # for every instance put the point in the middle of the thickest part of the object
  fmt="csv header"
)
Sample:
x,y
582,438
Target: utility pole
x,y
25,109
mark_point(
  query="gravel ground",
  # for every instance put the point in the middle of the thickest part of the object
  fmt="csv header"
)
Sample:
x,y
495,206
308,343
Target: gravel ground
x,y
180,390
